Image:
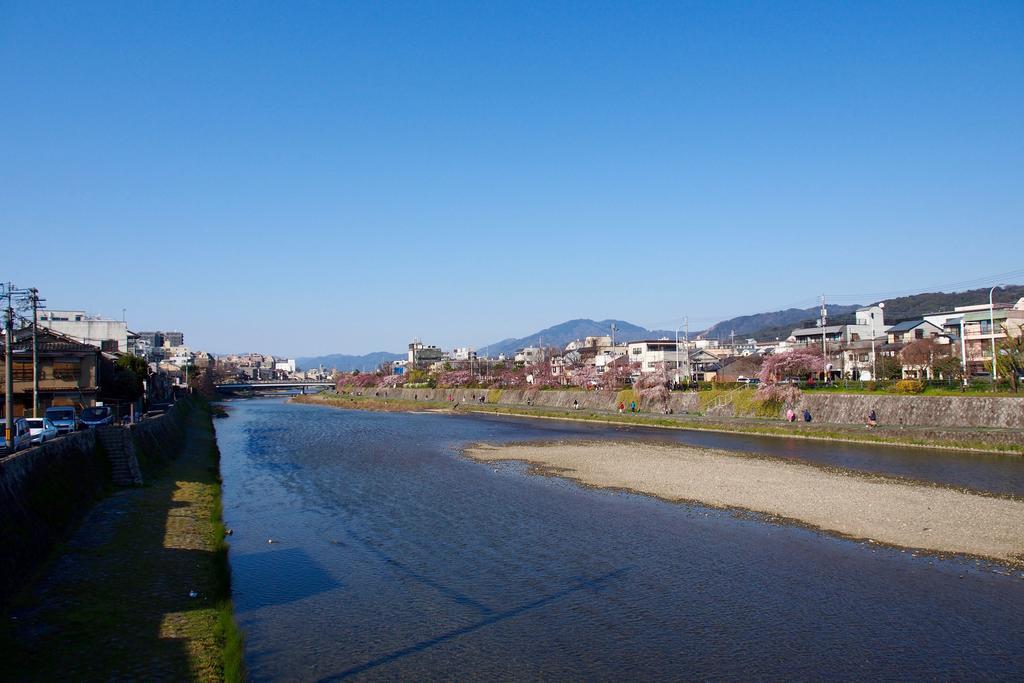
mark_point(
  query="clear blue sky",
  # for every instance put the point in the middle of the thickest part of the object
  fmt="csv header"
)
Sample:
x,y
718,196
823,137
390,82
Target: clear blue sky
x,y
304,178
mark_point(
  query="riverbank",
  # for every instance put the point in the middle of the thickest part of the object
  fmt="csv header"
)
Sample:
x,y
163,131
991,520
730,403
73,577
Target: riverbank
x,y
142,588
966,439
847,503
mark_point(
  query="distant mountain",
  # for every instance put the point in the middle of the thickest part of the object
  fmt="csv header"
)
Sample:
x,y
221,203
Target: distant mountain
x,y
910,307
563,333
346,363
760,326
768,326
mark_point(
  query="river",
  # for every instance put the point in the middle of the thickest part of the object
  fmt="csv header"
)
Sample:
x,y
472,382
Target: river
x,y
393,556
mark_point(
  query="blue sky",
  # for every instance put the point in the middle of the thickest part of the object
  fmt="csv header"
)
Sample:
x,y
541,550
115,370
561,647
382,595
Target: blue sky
x,y
305,178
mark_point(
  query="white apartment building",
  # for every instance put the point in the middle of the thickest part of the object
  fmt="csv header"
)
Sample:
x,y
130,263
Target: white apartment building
x,y
285,365
650,352
93,330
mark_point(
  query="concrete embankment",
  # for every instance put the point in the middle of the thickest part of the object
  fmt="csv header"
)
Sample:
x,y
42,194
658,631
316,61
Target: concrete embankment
x,y
907,514
141,589
912,411
45,491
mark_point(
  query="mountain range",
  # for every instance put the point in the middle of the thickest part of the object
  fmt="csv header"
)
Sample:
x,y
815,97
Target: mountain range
x,y
762,326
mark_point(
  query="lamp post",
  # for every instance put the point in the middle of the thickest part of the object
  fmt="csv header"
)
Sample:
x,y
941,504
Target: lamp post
x,y
963,351
992,331
874,365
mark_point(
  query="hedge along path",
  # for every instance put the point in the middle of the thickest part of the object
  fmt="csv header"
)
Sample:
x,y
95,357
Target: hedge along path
x,y
116,603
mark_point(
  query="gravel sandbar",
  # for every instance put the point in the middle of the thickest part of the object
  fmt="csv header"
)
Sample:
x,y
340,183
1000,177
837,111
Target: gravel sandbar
x,y
886,510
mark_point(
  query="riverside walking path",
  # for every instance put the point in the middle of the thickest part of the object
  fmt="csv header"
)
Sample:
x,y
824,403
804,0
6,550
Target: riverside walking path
x,y
116,603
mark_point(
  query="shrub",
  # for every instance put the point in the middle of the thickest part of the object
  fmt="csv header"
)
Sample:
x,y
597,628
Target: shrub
x,y
910,386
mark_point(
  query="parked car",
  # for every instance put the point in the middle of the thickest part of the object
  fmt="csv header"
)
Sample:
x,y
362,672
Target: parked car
x,y
97,416
20,437
41,429
64,418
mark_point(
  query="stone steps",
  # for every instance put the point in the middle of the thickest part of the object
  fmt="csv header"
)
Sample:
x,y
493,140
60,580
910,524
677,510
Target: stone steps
x,y
124,466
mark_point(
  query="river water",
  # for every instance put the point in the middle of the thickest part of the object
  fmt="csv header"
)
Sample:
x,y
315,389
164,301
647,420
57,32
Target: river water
x,y
395,557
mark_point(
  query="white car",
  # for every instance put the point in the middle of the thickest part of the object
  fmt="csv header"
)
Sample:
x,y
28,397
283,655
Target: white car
x,y
41,429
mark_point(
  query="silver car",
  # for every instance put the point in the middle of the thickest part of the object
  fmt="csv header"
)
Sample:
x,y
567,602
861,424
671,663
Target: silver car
x,y
41,429
20,437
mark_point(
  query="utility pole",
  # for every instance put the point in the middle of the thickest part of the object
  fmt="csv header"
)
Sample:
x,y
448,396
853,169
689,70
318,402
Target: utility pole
x,y
824,350
34,298
8,378
686,342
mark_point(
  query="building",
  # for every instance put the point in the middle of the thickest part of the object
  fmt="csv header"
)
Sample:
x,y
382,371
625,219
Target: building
x,y
529,355
912,330
92,330
69,371
463,353
981,327
287,366
423,356
649,353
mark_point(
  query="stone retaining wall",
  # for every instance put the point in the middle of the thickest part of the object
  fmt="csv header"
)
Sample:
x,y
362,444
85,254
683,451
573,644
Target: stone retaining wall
x,y
45,491
925,411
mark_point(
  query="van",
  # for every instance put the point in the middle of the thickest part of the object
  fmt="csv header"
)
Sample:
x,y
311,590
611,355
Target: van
x,y
21,437
64,418
97,416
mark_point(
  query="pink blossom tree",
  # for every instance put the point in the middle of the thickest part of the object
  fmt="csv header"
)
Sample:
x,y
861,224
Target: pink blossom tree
x,y
797,363
455,378
585,376
391,381
360,380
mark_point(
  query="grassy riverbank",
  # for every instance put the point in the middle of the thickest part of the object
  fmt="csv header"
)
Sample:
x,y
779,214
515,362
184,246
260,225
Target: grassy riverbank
x,y
142,590
986,440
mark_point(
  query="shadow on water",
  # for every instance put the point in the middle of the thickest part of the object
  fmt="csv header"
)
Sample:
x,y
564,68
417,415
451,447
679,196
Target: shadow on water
x,y
595,584
273,572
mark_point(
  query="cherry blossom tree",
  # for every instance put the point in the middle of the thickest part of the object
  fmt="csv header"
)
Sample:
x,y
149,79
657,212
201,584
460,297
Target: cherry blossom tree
x,y
360,380
391,381
455,378
797,363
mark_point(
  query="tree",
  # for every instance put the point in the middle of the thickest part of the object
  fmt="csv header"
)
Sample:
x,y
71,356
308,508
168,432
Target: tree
x,y
889,367
922,353
129,374
1010,360
948,367
798,363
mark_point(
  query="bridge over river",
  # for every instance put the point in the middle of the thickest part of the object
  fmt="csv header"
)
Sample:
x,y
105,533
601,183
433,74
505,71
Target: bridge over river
x,y
258,387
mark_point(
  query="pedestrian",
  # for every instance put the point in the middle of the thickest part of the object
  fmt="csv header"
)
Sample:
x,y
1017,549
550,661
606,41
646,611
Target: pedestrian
x,y
790,415
622,406
632,406
575,404
807,415
872,419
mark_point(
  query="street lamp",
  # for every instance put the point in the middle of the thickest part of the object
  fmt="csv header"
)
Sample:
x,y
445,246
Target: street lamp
x,y
992,330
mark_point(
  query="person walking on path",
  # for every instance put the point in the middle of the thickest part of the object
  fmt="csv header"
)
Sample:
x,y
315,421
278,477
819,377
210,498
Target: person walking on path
x,y
790,415
622,407
807,415
872,420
